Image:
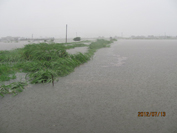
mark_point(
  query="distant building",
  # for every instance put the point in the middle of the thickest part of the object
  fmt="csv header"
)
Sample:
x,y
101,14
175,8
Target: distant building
x,y
9,38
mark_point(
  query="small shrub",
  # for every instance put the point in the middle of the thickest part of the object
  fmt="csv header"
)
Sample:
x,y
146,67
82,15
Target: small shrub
x,y
77,39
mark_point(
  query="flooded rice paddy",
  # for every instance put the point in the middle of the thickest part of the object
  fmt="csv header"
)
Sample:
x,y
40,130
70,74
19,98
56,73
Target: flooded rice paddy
x,y
103,95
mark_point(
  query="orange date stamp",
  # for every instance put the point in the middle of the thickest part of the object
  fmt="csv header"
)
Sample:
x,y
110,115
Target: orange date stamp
x,y
151,114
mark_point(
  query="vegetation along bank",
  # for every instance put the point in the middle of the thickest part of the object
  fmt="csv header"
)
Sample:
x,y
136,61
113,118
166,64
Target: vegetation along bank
x,y
42,63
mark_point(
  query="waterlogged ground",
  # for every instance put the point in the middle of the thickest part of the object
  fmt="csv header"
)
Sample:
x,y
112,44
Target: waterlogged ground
x,y
103,95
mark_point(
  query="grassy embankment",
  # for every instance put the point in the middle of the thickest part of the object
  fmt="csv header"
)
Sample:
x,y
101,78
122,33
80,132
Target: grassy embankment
x,y
43,63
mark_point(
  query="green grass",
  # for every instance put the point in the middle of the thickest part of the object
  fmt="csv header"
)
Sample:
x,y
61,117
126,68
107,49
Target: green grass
x,y
43,62
6,72
11,56
100,43
13,88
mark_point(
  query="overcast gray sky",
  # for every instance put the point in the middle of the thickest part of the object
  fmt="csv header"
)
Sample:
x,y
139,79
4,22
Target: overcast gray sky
x,y
89,18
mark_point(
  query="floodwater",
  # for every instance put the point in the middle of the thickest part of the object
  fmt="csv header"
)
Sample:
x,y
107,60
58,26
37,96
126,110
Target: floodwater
x,y
12,45
103,95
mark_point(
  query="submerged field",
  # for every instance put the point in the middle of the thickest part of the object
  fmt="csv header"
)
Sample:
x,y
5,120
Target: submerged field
x,y
42,63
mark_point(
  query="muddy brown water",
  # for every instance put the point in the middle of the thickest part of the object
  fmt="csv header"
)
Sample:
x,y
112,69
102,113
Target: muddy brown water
x,y
103,95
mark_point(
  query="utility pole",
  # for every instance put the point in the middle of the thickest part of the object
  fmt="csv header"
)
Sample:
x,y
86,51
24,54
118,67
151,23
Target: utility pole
x,y
32,37
66,33
76,34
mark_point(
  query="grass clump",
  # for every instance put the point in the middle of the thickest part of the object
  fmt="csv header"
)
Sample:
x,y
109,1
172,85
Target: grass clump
x,y
44,51
6,72
100,43
13,88
47,71
11,56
